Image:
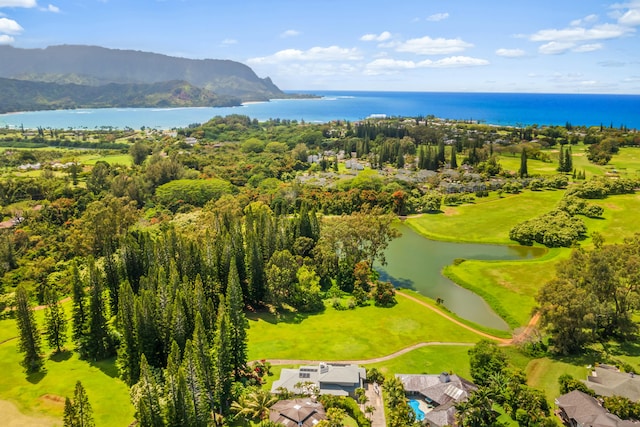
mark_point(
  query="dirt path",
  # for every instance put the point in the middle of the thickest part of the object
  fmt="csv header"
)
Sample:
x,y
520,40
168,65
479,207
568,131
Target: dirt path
x,y
12,417
504,341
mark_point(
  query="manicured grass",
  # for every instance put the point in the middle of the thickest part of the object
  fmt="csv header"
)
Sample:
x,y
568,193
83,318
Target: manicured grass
x,y
112,159
485,221
363,333
620,217
534,167
543,373
43,394
428,360
509,287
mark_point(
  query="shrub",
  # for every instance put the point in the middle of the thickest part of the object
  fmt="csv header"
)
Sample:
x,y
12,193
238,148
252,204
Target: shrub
x,y
196,192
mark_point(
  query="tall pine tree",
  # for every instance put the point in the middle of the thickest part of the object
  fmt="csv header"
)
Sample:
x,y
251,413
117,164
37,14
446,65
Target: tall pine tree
x,y
55,321
128,355
78,413
97,342
79,310
146,398
523,164
29,335
237,323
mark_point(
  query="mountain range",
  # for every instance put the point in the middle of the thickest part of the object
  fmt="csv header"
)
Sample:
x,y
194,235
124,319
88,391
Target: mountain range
x,y
77,76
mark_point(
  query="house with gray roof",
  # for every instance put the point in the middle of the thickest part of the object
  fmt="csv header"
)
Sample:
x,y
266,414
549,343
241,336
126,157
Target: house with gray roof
x,y
329,378
607,380
297,412
578,409
437,395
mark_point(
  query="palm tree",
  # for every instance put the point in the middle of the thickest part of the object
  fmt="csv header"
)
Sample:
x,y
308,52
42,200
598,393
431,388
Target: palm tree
x,y
477,411
369,410
361,396
255,405
394,390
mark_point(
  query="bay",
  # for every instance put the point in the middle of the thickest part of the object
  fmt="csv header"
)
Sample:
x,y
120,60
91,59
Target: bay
x,y
492,108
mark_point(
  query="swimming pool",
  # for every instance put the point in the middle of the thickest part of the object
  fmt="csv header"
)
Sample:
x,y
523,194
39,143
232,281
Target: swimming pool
x,y
415,405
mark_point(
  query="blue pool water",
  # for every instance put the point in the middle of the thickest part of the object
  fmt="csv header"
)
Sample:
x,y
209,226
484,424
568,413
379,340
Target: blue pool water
x,y
415,405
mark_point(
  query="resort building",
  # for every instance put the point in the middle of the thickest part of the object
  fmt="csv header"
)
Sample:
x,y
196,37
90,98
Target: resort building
x,y
327,378
297,412
607,380
578,409
433,397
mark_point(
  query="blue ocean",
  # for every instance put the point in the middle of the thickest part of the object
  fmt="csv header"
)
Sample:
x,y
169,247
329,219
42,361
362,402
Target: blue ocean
x,y
490,108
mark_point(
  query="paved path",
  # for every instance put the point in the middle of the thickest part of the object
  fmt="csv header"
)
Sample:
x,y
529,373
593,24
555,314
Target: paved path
x,y
365,361
374,394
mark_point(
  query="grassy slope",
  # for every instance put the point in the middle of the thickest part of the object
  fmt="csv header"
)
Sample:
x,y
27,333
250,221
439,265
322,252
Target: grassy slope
x,y
363,333
486,221
43,394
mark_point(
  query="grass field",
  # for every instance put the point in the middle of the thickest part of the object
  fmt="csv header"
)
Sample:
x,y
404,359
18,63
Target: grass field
x,y
42,395
486,221
625,162
363,333
509,287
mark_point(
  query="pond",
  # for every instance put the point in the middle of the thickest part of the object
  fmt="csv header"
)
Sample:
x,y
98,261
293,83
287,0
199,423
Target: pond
x,y
415,262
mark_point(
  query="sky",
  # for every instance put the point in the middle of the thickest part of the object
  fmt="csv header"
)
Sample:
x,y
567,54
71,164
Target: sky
x,y
561,46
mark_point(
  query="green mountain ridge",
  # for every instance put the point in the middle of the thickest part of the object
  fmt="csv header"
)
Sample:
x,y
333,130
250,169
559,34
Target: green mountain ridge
x,y
21,95
99,66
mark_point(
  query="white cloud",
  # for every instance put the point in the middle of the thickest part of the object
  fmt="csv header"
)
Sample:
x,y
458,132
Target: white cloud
x,y
5,39
588,47
229,42
510,53
290,33
9,26
53,9
586,20
18,3
438,17
392,66
630,18
428,46
555,48
331,53
459,61
383,36
579,34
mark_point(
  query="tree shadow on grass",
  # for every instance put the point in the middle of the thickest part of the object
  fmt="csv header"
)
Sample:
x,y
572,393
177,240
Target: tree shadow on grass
x,y
61,356
107,366
280,317
36,377
396,281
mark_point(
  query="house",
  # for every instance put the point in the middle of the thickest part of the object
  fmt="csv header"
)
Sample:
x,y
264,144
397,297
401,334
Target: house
x,y
607,380
297,412
436,395
329,378
578,409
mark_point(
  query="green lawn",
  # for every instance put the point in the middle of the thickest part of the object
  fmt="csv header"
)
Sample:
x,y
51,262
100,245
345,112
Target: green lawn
x,y
43,394
509,287
625,162
485,221
112,159
363,333
428,360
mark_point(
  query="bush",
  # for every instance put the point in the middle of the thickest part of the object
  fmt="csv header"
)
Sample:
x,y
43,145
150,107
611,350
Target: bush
x,y
346,403
196,192
553,229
